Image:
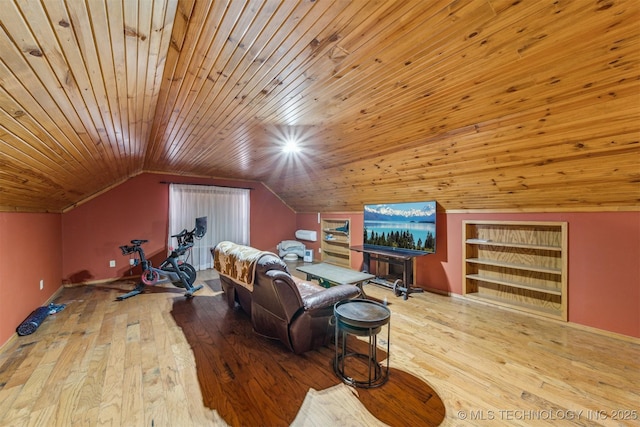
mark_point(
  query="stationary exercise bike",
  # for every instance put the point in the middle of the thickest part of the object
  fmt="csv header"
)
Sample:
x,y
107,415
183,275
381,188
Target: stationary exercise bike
x,y
181,274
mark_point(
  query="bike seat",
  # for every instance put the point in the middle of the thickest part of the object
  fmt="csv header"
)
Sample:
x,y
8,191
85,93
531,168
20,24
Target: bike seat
x,y
138,242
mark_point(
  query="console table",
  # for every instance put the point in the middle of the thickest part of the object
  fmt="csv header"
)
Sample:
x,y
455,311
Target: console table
x,y
395,257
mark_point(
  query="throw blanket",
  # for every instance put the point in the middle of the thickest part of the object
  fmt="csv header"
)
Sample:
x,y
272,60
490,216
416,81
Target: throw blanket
x,y
237,262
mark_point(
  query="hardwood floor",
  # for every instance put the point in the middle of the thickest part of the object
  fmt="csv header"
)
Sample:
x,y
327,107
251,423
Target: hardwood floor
x,y
158,359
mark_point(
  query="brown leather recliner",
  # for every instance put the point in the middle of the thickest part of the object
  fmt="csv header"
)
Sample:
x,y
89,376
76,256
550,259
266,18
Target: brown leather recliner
x,y
296,312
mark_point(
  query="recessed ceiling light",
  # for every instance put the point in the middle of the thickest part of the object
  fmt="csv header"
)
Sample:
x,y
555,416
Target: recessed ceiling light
x,y
291,147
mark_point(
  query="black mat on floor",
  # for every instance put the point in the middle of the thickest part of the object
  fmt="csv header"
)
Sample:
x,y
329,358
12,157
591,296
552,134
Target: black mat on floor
x,y
33,321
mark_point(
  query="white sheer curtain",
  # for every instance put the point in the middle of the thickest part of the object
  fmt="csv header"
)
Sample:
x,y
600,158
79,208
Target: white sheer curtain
x,y
227,212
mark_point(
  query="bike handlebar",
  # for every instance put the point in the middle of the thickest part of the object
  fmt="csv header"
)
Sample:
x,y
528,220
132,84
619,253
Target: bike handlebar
x,y
126,249
181,234
185,241
185,237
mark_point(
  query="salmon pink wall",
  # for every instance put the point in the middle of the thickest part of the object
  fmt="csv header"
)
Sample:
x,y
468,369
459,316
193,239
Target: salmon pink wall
x,y
271,220
30,252
604,271
139,208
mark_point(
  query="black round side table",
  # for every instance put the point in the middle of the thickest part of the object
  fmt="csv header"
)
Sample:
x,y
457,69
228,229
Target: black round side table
x,y
364,318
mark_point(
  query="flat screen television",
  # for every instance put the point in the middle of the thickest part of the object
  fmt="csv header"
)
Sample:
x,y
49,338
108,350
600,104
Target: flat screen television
x,y
407,227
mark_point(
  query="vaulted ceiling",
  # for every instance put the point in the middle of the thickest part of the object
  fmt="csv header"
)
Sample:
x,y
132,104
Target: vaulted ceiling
x,y
479,104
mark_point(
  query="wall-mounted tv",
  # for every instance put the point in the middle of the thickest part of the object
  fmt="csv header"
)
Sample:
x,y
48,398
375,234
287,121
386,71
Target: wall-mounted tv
x,y
409,227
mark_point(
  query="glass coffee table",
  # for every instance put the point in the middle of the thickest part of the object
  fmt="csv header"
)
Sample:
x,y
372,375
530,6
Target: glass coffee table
x,y
336,274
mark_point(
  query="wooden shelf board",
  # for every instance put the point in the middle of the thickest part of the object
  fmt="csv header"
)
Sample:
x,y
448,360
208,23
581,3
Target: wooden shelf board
x,y
503,264
519,285
337,241
336,252
513,245
530,308
334,231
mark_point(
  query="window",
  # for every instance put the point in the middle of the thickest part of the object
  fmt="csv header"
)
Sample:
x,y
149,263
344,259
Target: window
x,y
227,212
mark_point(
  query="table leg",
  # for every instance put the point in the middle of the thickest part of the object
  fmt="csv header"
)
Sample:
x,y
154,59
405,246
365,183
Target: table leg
x,y
360,285
366,267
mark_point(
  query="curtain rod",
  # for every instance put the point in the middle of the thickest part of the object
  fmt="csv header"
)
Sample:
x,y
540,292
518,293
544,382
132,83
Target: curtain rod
x,y
206,185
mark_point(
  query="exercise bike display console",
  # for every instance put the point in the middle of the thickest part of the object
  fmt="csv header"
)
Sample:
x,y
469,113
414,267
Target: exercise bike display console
x,y
180,273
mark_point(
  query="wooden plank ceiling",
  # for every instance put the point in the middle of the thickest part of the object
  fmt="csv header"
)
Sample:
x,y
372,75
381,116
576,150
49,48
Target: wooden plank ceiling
x,y
479,104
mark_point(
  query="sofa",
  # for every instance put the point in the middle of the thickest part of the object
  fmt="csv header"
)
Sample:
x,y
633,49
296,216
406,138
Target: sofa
x,y
297,312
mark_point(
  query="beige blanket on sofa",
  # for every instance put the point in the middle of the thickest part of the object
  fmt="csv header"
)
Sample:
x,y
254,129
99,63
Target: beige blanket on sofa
x,y
237,262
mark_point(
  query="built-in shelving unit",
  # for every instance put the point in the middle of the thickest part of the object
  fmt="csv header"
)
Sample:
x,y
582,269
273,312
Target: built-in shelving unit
x,y
335,242
517,264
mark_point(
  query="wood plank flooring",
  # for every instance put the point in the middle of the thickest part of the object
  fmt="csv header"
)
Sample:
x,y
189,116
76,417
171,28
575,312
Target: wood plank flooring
x,y
158,359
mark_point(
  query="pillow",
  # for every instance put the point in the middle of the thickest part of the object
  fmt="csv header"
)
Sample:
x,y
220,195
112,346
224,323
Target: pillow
x,y
286,244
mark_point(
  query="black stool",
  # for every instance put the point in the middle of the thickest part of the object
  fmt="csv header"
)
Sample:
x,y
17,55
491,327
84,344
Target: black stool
x,y
364,318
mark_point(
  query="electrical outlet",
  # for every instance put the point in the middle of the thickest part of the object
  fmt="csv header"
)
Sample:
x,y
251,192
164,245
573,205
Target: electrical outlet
x,y
132,261
41,284
112,263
